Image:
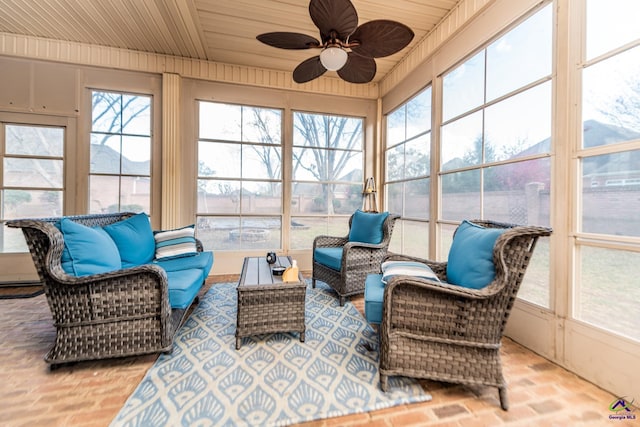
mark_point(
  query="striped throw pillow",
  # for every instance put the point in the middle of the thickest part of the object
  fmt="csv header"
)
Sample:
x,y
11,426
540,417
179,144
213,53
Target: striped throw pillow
x,y
175,243
406,268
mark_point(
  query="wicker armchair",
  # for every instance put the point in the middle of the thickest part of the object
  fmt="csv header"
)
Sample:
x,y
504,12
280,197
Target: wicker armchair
x,y
449,333
358,260
120,313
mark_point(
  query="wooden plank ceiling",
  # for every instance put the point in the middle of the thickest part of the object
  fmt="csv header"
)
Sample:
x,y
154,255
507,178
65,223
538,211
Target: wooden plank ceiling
x,y
215,30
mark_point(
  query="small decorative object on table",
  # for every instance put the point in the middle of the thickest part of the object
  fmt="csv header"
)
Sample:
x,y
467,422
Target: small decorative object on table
x,y
271,257
291,273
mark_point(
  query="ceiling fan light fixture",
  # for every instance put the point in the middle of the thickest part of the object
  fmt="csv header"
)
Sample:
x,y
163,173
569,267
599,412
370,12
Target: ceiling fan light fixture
x,y
333,58
346,47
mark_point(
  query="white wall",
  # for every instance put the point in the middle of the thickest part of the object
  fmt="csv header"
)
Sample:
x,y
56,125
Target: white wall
x,y
40,92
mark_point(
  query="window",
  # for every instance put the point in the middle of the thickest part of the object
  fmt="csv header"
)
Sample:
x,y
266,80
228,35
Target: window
x,y
239,177
496,139
32,181
609,158
407,166
120,158
327,165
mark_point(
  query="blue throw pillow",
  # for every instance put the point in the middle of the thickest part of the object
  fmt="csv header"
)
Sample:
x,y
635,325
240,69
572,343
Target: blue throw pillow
x,y
87,250
134,239
367,227
470,262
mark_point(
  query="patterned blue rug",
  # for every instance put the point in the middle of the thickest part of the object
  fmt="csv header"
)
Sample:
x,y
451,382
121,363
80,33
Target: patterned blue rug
x,y
274,379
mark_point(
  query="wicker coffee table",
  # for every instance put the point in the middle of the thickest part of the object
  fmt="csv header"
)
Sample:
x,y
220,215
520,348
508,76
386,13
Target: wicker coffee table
x,y
267,304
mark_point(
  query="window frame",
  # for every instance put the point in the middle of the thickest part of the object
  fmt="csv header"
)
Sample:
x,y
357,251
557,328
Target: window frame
x,y
408,223
69,157
153,168
335,224
202,218
592,241
446,226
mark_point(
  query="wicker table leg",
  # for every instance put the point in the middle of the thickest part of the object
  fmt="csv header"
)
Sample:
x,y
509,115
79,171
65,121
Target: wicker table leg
x,y
383,382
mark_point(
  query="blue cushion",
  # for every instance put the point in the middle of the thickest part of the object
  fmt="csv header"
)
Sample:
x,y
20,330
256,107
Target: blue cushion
x,y
331,257
470,262
87,250
134,239
367,227
406,268
201,260
184,285
373,297
175,243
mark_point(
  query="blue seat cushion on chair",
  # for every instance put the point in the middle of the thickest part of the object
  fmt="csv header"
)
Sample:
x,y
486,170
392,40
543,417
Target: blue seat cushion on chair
x,y
373,298
183,287
367,227
134,239
331,257
470,262
202,261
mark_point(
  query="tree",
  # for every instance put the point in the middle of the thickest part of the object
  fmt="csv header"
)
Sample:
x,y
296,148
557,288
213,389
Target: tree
x,y
324,146
15,198
624,109
32,160
107,112
117,118
261,122
331,144
468,181
38,141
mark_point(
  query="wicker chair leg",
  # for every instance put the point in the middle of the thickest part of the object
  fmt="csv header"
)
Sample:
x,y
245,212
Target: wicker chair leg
x,y
383,382
342,300
504,401
313,282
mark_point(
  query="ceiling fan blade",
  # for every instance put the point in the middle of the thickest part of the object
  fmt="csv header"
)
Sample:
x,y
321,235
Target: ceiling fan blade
x,y
358,69
381,38
308,70
285,40
337,15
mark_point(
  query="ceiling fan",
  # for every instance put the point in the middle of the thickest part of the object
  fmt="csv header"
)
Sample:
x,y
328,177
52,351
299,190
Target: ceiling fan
x,y
346,47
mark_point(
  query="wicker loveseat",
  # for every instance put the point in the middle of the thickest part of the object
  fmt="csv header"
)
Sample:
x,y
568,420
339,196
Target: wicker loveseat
x,y
124,312
343,262
439,331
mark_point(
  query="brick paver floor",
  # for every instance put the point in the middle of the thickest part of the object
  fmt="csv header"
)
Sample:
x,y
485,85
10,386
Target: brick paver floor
x,y
91,393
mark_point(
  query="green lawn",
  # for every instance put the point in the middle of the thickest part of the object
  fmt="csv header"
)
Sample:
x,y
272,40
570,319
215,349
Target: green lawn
x,y
608,293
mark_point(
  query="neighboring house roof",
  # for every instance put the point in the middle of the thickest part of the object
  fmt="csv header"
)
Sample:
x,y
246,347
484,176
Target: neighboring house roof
x,y
104,158
595,134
